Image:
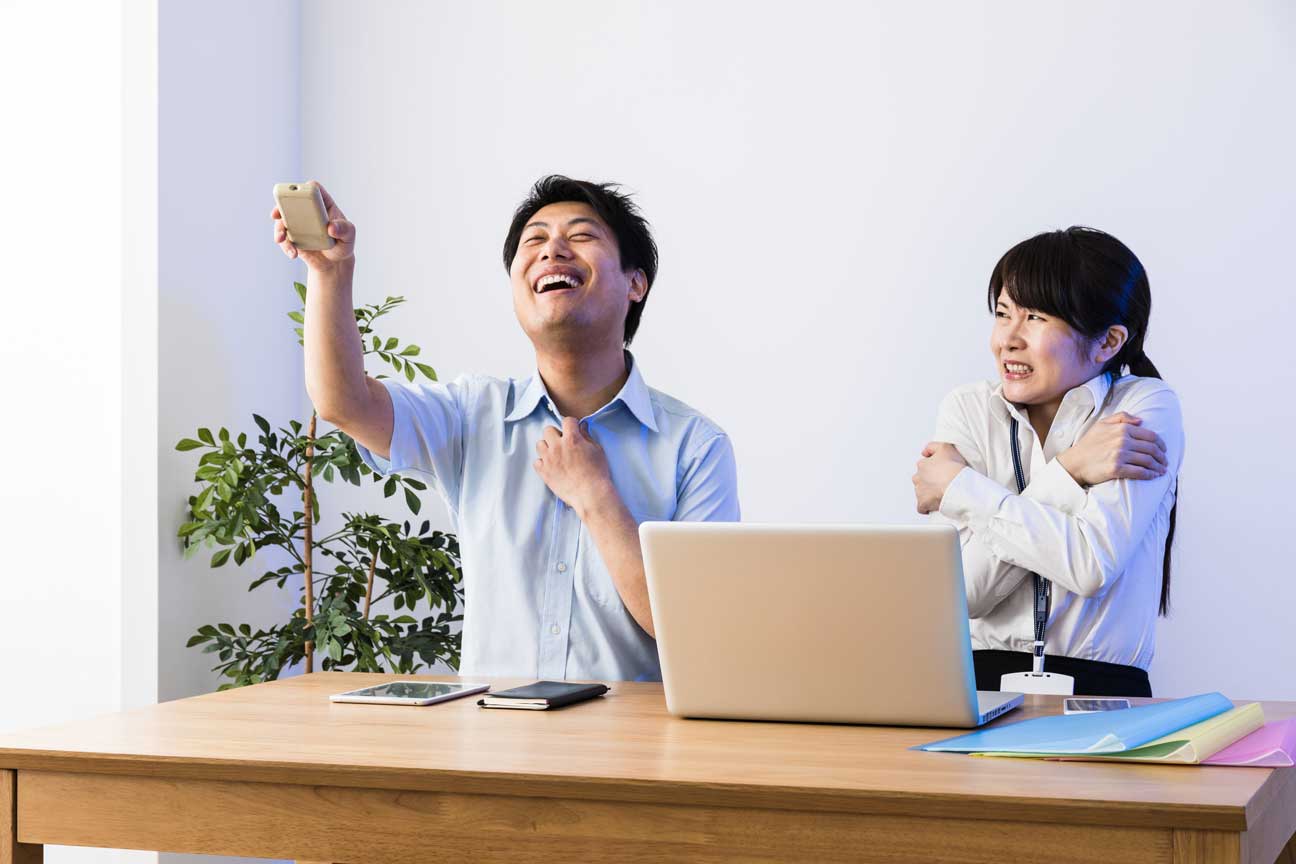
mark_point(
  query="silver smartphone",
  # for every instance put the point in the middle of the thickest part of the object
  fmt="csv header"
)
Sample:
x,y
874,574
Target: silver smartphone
x,y
409,693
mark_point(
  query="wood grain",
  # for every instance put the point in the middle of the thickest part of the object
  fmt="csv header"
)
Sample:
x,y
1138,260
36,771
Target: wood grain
x,y
347,824
623,747
1206,847
11,851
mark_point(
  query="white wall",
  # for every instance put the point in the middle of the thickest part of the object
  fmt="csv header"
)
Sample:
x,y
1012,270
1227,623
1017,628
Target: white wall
x,y
78,365
61,354
830,186
228,130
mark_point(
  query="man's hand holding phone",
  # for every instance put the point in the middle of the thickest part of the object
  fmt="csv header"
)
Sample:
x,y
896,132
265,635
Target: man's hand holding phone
x,y
338,228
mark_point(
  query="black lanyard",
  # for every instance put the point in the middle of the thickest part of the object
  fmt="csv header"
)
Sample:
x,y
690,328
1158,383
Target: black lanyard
x,y
1043,588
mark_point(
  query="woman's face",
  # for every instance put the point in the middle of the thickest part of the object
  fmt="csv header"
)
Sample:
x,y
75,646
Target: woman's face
x,y
1040,357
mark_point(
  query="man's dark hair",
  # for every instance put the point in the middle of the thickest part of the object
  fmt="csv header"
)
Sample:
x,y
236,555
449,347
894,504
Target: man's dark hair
x,y
634,239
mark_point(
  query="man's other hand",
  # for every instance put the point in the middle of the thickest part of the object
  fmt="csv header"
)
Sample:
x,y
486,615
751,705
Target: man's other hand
x,y
574,467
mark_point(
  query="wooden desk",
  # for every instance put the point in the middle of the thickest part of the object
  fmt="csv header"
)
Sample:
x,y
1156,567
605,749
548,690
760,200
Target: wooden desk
x,y
277,771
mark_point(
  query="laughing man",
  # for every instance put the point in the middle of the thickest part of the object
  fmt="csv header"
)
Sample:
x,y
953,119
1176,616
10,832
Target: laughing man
x,y
548,477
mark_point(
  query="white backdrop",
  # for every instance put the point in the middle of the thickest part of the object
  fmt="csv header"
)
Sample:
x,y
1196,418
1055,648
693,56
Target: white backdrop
x,y
830,187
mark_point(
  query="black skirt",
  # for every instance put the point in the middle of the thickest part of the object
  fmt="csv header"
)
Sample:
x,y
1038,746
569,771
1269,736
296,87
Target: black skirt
x,y
1092,677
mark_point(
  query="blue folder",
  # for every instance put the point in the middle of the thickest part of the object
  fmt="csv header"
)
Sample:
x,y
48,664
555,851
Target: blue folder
x,y
1100,732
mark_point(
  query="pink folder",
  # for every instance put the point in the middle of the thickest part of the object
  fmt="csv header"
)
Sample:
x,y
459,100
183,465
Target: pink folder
x,y
1273,745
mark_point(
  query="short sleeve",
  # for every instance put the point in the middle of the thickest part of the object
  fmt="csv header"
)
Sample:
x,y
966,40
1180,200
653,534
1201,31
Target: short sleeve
x,y
427,433
708,487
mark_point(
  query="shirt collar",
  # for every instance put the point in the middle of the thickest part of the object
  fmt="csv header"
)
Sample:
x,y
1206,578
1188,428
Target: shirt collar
x,y
1087,397
633,394
531,396
1090,395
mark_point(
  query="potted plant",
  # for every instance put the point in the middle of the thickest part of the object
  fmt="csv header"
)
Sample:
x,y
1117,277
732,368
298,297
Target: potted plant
x,y
256,494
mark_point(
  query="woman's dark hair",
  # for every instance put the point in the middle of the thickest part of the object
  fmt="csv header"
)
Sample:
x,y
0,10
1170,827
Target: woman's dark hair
x,y
634,239
1092,281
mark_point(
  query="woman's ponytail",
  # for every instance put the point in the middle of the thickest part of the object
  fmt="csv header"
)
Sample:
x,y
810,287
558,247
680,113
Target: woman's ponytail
x,y
1141,366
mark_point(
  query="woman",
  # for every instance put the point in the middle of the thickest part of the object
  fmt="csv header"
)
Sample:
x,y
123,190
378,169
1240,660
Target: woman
x,y
1100,441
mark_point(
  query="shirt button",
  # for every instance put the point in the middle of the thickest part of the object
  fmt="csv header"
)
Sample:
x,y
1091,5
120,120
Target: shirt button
x,y
562,567
555,629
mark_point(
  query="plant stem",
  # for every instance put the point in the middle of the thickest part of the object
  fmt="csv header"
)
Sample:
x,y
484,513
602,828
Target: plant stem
x,y
308,498
373,565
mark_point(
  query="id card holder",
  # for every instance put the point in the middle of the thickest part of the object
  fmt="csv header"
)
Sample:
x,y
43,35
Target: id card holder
x,y
1043,683
1036,681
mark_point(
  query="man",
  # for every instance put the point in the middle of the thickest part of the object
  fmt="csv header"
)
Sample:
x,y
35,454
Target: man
x,y
546,478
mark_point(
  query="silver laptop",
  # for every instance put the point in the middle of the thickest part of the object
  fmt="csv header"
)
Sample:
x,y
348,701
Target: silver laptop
x,y
815,623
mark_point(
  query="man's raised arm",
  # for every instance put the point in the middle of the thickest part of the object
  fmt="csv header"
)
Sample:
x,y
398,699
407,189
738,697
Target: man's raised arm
x,y
335,378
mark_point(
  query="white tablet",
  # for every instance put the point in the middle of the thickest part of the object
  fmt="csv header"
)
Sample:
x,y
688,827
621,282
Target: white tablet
x,y
409,693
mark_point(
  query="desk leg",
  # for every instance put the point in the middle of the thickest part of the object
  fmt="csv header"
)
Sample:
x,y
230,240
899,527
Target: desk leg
x,y
11,851
1288,855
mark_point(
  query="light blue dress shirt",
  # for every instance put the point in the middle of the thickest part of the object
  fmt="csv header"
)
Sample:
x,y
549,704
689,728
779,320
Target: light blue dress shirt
x,y
538,598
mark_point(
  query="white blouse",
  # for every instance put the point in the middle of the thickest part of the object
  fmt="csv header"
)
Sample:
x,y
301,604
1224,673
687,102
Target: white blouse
x,y
1101,547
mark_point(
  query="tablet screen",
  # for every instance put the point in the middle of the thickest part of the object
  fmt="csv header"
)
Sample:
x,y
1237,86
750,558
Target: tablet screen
x,y
409,690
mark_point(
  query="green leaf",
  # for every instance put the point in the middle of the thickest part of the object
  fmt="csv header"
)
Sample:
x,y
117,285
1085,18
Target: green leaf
x,y
412,500
409,371
205,436
262,423
301,290
409,351
391,343
188,444
220,557
196,639
334,649
427,370
389,488
298,317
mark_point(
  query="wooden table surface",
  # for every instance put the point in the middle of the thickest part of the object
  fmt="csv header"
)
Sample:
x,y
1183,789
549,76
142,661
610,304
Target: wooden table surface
x,y
276,770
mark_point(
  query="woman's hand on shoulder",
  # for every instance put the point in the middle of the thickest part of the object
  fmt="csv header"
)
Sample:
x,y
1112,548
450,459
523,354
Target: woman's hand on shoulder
x,y
1115,448
940,464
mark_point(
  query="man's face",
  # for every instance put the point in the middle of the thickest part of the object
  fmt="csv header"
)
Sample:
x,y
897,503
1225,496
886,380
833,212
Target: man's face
x,y
568,285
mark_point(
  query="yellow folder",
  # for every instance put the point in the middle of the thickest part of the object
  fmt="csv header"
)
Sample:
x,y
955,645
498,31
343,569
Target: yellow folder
x,y
1195,743
1189,746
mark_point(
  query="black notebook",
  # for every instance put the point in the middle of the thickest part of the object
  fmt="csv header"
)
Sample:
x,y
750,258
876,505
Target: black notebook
x,y
542,695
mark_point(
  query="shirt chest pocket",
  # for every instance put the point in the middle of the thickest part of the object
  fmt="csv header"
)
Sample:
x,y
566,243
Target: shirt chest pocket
x,y
594,579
